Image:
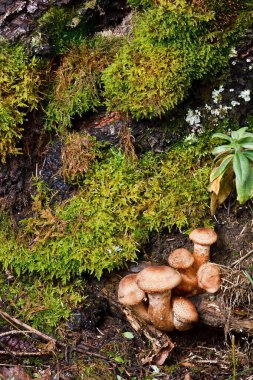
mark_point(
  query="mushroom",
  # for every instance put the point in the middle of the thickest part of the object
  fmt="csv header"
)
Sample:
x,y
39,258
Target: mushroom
x,y
129,294
158,282
184,313
202,238
209,277
182,260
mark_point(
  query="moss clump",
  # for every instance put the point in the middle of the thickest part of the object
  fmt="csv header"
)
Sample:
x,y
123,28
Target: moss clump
x,y
19,93
62,27
39,304
78,153
172,44
76,87
120,202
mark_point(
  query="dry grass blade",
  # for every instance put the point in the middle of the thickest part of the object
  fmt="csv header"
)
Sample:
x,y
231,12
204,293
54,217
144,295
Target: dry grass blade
x,y
236,289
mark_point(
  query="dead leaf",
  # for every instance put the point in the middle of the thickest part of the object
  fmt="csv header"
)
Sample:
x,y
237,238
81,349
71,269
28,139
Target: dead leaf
x,y
187,376
187,364
163,353
215,185
49,346
220,189
14,373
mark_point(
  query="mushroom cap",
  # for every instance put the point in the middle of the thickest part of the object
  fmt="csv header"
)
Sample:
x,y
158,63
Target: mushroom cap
x,y
128,292
158,279
184,310
203,236
209,277
181,258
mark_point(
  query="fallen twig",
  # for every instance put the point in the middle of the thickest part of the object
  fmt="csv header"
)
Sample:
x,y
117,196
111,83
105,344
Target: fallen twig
x,y
43,336
14,332
24,353
241,259
52,341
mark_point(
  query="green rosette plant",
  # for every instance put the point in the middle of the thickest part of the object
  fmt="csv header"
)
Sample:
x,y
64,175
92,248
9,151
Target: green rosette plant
x,y
232,168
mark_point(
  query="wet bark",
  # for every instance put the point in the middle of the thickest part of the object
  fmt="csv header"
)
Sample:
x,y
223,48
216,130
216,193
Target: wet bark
x,y
18,18
213,313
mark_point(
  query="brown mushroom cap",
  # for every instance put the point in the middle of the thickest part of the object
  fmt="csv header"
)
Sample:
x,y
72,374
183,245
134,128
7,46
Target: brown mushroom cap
x,y
203,236
184,310
181,258
209,277
128,292
158,279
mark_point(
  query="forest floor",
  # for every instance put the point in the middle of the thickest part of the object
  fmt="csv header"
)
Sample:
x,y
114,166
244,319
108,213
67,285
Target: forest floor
x,y
97,330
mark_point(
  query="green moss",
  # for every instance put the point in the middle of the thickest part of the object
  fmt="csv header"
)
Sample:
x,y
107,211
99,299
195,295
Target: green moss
x,y
42,305
120,202
172,44
63,27
19,94
76,86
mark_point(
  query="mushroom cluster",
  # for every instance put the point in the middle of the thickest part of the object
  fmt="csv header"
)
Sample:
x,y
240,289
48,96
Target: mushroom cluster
x,y
159,294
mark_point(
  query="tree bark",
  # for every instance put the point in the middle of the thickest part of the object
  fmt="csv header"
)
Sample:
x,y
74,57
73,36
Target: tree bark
x,y
18,18
213,313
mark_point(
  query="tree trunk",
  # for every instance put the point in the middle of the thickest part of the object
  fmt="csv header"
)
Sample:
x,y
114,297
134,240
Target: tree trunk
x,y
213,313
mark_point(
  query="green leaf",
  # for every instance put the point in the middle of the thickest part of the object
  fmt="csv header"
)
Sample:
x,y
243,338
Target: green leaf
x,y
243,177
247,145
128,335
221,136
246,139
248,154
243,134
222,149
235,135
241,131
119,359
221,168
241,167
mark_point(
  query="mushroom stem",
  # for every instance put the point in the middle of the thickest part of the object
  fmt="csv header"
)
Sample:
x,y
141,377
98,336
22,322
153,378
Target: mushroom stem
x,y
202,238
157,282
183,260
201,254
141,311
160,311
189,284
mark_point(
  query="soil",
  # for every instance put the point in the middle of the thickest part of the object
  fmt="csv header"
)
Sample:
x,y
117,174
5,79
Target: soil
x,y
201,353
